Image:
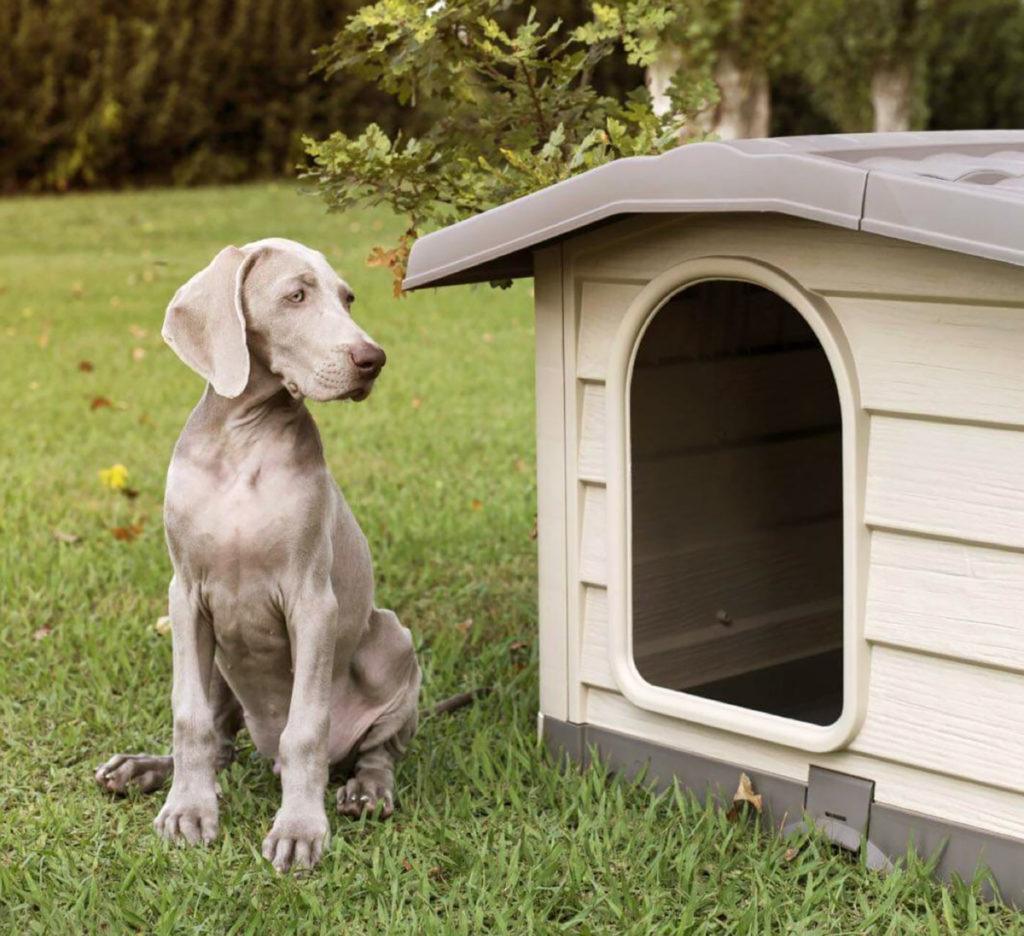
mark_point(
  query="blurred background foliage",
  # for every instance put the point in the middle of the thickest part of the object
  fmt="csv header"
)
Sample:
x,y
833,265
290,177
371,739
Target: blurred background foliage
x,y
113,93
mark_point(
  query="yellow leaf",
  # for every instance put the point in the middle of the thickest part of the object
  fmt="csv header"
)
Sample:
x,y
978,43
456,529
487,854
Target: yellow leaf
x,y
745,793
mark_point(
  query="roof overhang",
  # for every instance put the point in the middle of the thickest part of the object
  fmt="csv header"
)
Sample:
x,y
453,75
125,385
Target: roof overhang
x,y
958,190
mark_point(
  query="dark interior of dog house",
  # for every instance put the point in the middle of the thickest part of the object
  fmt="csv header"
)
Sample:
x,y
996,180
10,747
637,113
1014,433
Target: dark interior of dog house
x,y
737,509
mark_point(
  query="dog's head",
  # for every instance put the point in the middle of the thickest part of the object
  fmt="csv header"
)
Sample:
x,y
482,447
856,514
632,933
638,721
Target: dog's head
x,y
280,303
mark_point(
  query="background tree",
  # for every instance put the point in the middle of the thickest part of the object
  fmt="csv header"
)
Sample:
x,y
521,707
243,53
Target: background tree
x,y
739,42
512,102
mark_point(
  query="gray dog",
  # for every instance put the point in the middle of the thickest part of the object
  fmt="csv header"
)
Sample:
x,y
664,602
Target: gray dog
x,y
271,602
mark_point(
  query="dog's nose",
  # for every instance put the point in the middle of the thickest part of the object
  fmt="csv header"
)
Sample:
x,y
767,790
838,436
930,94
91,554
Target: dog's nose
x,y
368,359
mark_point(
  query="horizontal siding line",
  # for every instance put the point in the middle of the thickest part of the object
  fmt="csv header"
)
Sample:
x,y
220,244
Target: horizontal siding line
x,y
938,655
909,416
938,299
591,381
941,537
580,278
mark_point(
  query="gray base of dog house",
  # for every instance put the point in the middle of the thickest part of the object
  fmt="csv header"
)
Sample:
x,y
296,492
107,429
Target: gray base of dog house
x,y
890,831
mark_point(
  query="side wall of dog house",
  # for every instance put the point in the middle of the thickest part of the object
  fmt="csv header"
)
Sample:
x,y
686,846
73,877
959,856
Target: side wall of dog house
x,y
937,341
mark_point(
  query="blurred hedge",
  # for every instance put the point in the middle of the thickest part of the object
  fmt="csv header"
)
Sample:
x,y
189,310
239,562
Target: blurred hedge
x,y
104,92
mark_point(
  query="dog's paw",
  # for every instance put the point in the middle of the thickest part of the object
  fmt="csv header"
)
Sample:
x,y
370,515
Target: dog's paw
x,y
144,772
188,817
296,840
367,792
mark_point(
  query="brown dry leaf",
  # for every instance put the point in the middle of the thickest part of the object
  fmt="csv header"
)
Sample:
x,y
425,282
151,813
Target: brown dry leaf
x,y
488,337
405,865
533,529
476,504
98,402
86,366
127,533
61,537
138,354
43,631
521,465
745,793
137,333
791,853
163,624
464,626
416,402
143,418
518,645
44,335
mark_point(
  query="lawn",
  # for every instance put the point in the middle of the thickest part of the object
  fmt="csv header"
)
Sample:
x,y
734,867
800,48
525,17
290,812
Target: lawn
x,y
438,467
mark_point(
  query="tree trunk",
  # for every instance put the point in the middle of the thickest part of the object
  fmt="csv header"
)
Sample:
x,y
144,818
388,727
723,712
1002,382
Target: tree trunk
x,y
892,96
660,74
744,107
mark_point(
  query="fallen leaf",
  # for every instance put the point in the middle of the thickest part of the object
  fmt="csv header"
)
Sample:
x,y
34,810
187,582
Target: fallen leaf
x,y
521,465
43,631
163,625
44,335
86,366
745,793
533,530
143,418
488,337
63,537
138,354
518,645
127,533
464,626
137,333
415,402
98,402
476,504
791,853
405,865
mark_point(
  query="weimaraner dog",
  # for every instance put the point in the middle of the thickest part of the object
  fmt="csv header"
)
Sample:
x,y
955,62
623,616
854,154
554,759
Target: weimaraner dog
x,y
271,604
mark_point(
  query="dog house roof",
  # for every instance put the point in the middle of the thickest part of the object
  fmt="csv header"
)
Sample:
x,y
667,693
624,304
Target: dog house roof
x,y
958,190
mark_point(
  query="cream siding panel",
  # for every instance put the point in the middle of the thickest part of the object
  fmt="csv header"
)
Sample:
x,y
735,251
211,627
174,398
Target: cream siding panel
x,y
960,481
602,307
897,785
946,716
594,547
947,598
592,455
596,669
820,257
938,359
551,471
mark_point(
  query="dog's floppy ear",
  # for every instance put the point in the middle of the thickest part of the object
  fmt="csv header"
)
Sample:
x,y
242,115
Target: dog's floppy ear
x,y
205,324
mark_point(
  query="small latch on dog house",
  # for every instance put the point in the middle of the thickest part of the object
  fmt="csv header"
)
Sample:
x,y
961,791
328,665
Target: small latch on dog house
x,y
840,805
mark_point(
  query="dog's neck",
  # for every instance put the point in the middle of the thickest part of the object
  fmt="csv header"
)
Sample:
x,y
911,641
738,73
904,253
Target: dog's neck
x,y
240,423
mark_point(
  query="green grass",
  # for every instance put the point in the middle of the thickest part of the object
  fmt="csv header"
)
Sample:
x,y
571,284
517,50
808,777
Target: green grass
x,y
437,465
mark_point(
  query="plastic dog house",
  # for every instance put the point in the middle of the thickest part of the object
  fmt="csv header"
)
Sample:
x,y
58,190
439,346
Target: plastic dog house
x,y
780,403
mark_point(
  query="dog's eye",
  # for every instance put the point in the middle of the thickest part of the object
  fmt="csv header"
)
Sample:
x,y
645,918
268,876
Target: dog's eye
x,y
297,296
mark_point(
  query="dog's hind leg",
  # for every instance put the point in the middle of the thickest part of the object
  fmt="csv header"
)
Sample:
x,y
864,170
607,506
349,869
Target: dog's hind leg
x,y
386,682
149,772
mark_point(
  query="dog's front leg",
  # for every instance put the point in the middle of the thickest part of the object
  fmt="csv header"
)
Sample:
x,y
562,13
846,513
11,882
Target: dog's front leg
x,y
190,811
300,828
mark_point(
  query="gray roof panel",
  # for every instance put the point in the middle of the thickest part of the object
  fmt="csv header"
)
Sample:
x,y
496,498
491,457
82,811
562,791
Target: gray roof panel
x,y
958,190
